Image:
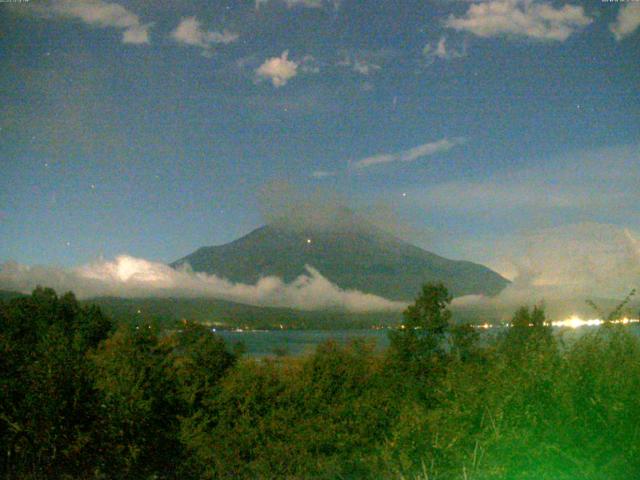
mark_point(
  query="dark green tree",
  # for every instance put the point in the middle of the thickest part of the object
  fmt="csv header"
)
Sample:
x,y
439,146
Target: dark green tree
x,y
199,360
425,325
528,329
418,346
139,402
464,341
47,402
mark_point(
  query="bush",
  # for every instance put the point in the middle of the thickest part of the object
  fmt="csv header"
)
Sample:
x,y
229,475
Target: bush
x,y
79,400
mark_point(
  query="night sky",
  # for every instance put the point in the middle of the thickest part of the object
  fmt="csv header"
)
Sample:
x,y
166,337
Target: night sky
x,y
150,128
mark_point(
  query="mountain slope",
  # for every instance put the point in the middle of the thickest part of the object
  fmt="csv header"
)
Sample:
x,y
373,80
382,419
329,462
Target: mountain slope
x,y
354,256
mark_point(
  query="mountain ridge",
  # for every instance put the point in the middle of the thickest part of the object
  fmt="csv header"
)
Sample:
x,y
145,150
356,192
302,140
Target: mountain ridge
x,y
353,255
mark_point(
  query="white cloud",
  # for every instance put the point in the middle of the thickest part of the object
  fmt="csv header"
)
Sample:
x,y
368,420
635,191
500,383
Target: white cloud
x,y
302,3
131,277
309,64
190,32
600,181
323,174
279,70
411,154
627,22
591,257
225,37
364,67
105,15
524,18
534,219
442,51
507,193
585,256
367,62
136,36
359,64
563,267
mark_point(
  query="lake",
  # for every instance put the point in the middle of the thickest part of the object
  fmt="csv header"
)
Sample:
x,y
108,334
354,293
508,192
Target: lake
x,y
260,343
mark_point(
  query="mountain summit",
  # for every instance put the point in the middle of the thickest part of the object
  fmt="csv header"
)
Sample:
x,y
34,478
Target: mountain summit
x,y
351,254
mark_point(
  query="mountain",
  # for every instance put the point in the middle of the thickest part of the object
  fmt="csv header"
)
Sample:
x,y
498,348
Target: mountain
x,y
350,253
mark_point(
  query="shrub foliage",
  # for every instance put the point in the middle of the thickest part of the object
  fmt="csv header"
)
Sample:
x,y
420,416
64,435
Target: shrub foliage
x,y
82,398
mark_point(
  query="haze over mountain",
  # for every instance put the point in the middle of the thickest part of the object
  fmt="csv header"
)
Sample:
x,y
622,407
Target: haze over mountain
x,y
346,250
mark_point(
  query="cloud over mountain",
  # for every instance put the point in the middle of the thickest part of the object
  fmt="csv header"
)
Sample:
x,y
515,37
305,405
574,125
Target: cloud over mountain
x,y
563,267
131,277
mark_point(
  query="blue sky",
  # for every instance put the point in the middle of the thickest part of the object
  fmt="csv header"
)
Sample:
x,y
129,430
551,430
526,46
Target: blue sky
x,y
149,128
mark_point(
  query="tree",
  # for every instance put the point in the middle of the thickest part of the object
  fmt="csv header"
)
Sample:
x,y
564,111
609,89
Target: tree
x,y
200,359
151,384
420,339
528,329
464,340
139,404
47,401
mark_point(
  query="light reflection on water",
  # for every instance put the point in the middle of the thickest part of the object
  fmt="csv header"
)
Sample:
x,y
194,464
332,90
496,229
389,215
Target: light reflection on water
x,y
576,322
261,343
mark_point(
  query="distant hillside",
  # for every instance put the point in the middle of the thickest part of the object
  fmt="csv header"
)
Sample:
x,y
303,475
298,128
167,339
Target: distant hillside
x,y
352,255
6,295
167,311
224,314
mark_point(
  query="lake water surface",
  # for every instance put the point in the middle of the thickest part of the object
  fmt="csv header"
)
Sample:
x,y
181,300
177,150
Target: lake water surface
x,y
298,342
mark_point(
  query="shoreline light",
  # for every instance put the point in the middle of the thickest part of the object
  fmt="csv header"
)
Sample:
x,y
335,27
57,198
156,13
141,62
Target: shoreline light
x,y
576,322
